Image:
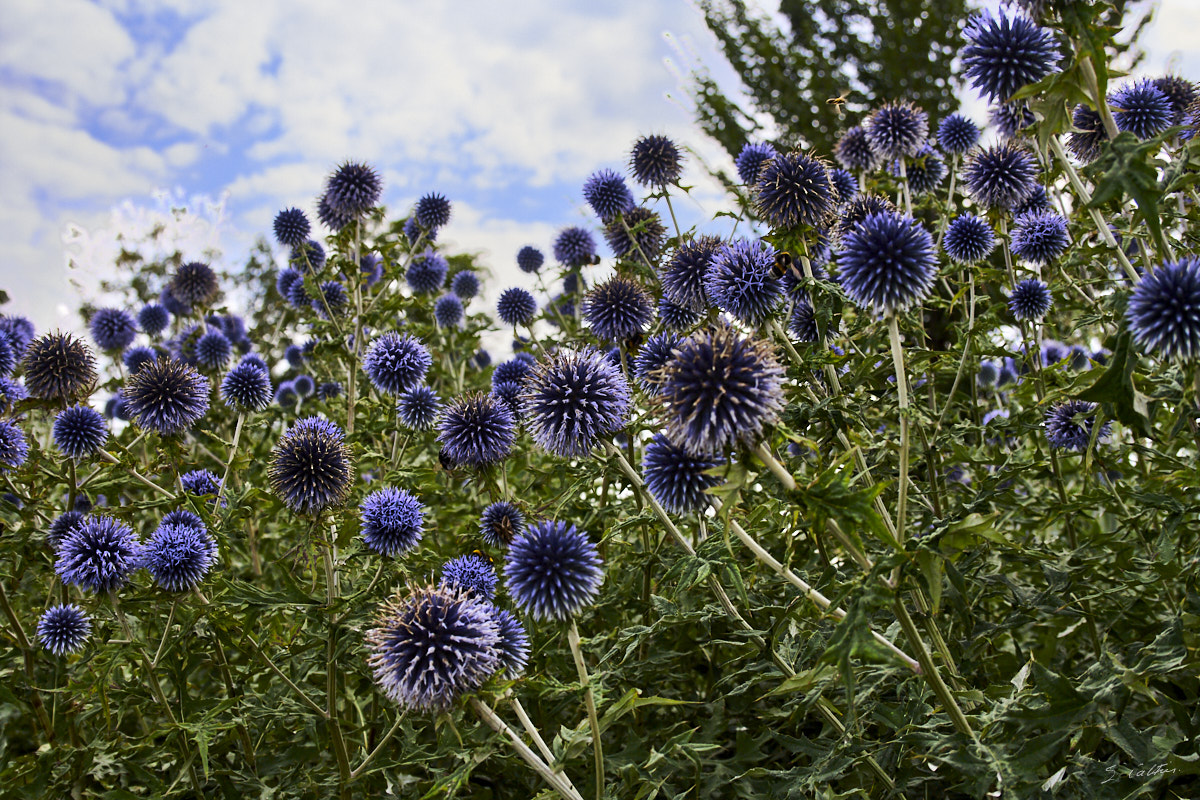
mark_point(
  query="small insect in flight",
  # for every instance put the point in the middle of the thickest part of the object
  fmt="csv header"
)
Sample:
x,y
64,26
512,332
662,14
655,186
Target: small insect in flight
x,y
837,102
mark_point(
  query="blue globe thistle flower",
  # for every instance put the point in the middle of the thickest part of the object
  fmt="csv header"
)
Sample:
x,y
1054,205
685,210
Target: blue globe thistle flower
x,y
19,330
247,387
200,482
516,307
1164,310
1001,176
333,218
574,247
472,575
1009,119
1039,238
638,229
432,211
1052,353
465,284
353,188
897,130
11,393
655,161
618,309
79,431
166,396
285,394
851,214
1036,203
652,357
969,239
925,171
112,329
1141,108
854,152
683,274
396,363
418,408
392,521
844,184
137,357
371,266
98,555
887,263
179,556
753,157
1088,135
448,311
291,227
1003,54
677,479
62,525
173,304
333,295
329,390
427,273
477,429
988,375
742,280
115,408
58,366
1180,93
509,393
794,189
13,447
515,370
1030,300
304,385
1066,431
434,646
213,351
500,523
514,643
605,191
802,323
573,399
552,571
294,355
309,257
956,134
530,259
8,357
676,318
482,359
310,466
416,234
63,629
194,283
297,295
720,389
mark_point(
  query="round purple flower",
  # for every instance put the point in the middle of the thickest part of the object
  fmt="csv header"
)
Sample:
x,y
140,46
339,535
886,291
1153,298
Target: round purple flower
x,y
515,370
509,393
924,172
13,447
500,523
213,351
652,357
98,555
854,152
1036,203
310,466
1003,54
1087,137
752,158
845,184
166,396
19,331
1039,238
1141,108
112,329
62,525
1180,93
332,217
200,482
1030,300
353,189
605,191
573,399
194,283
794,189
655,161
683,274
887,263
956,134
1068,429
392,521
178,556
969,239
574,247
477,429
448,311
802,323
173,304
297,295
618,309
79,431
432,211
1009,119
676,478
8,358
331,294
416,234
294,355
329,390
676,318
58,367
247,387
1164,310
465,284
427,273
897,130
552,571
396,363
530,259
851,214
516,307
418,408
742,280
63,629
638,229
514,643
137,357
309,257
1001,176
472,575
291,227
371,266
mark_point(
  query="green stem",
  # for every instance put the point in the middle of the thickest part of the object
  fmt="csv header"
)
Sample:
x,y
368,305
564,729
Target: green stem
x,y
589,701
332,594
772,463
494,722
237,434
930,671
902,390
357,771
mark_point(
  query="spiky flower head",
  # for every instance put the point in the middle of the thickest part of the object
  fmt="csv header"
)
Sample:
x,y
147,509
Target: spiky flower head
x,y
853,151
742,280
1141,108
552,571
58,367
246,387
924,171
98,554
574,398
310,466
652,357
956,134
605,191
173,304
721,388
655,161
167,396
969,239
13,447
887,263
137,357
432,211
62,525
674,317
530,259
291,227
515,370
851,214
1009,119
415,234
638,230
844,183
19,331
477,429
683,274
676,478
194,284
617,309
200,482
1030,300
753,157
1005,53
178,556
79,431
353,189
213,350
500,523
435,645
331,299
802,323
113,329
514,643
418,408
516,306
509,392
396,362
1036,203
63,629
1039,238
1068,429
1087,137
897,130
427,273
1164,310
448,311
328,390
392,521
1001,176
794,189
471,574
1180,93
465,284
297,295
574,247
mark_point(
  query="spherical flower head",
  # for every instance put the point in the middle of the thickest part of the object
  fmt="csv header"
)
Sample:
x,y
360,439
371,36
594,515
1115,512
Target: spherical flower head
x,y
329,390
1141,108
683,274
448,311
1036,203
509,393
294,355
1164,310
63,629
677,479
618,309
515,370
291,227
573,399
608,195
8,356
655,161
988,374
19,331
179,556
183,518
309,256
794,189
427,273
851,214
514,643
418,408
652,357
1180,93
432,211
79,431
173,304
956,134
392,521
721,388
310,466
247,387
1068,429
331,216
802,323
574,247
853,151
530,259
416,234
969,239
332,296
471,574
213,351
13,447
98,555
1088,135
897,130
435,645
58,367
742,280
1001,176
353,188
477,430
371,266
516,307
753,157
194,284
62,525
552,571
1009,119
676,318
166,396
200,482
1039,238
1005,53
465,285
290,285
112,329
137,357
637,230
845,185
924,172
396,363
887,263
11,393
500,523
1030,300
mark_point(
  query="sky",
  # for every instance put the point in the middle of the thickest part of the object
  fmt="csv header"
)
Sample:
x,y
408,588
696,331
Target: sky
x,y
114,113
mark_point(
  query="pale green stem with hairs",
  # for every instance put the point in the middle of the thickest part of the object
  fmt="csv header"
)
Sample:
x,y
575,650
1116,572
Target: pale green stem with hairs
x,y
589,700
